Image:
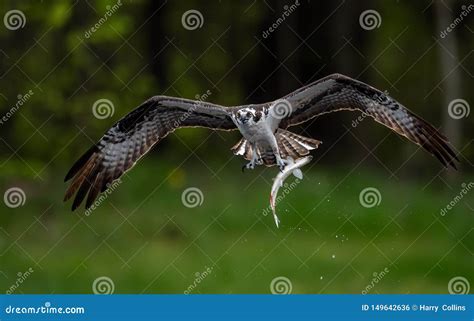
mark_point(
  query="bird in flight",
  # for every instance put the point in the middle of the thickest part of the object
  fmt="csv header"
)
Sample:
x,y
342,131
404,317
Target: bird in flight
x,y
265,141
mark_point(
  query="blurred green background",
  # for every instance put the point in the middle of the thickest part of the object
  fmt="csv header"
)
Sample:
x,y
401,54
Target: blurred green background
x,y
143,238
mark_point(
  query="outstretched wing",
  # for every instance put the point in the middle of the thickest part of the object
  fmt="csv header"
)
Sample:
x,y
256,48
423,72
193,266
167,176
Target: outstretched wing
x,y
337,92
133,136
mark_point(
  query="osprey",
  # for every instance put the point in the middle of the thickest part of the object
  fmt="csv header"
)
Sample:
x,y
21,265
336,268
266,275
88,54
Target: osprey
x,y
265,140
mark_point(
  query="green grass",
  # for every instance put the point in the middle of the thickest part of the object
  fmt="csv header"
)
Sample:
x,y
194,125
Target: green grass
x,y
146,241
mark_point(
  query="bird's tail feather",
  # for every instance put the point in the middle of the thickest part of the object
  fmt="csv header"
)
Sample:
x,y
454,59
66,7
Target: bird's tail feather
x,y
243,148
293,145
289,144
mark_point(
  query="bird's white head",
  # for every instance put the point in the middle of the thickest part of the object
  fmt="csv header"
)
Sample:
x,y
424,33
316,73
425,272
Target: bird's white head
x,y
247,116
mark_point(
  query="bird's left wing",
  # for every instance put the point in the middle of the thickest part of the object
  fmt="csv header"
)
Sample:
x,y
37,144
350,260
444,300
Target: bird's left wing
x,y
133,136
338,92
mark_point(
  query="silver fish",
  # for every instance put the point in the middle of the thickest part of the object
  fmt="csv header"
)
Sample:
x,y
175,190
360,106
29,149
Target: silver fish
x,y
292,167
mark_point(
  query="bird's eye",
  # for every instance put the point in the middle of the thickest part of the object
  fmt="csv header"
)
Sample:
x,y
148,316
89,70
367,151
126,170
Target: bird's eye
x,y
249,114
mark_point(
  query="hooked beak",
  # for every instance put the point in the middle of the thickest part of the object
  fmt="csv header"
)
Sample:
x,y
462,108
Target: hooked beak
x,y
242,118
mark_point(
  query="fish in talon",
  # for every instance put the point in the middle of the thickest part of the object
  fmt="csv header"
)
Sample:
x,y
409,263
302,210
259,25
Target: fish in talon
x,y
292,167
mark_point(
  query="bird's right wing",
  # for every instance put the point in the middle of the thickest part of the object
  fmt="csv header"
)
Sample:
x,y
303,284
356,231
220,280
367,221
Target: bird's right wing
x,y
338,92
133,136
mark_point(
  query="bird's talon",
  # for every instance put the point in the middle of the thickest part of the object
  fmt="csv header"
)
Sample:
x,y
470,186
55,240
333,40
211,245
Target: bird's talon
x,y
250,165
281,165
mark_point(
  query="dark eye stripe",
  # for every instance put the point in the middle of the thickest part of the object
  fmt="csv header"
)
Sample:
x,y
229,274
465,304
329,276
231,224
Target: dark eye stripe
x,y
257,117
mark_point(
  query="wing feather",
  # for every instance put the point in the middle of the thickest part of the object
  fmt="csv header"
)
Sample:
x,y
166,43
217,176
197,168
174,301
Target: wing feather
x,y
337,92
132,137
